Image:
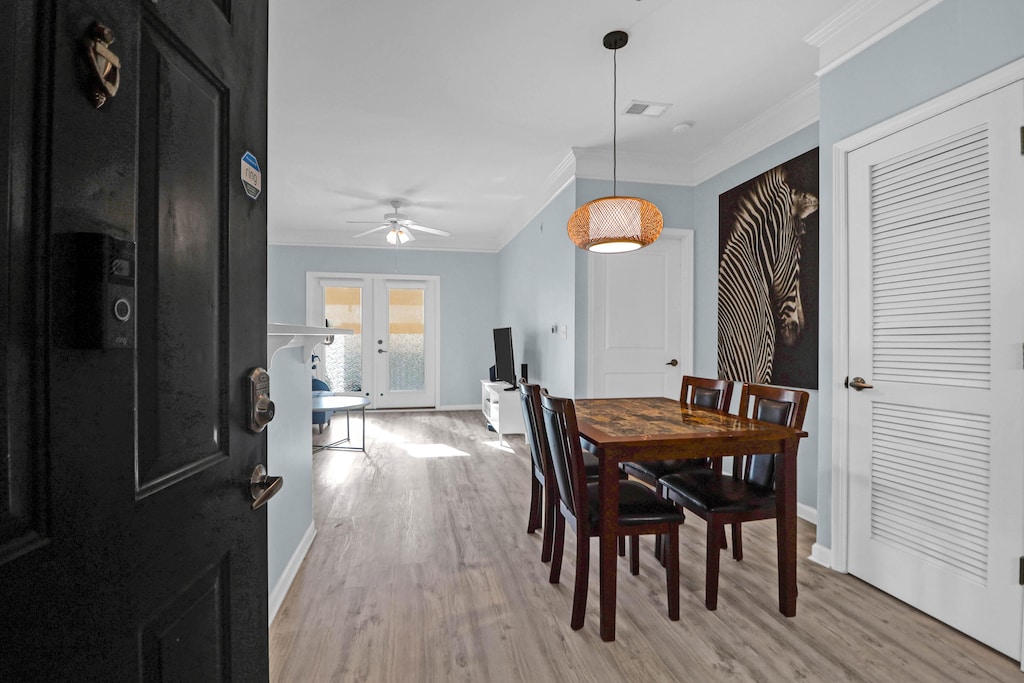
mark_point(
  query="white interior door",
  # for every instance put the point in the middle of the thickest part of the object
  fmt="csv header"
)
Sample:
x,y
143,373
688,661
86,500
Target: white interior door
x,y
392,355
641,319
936,448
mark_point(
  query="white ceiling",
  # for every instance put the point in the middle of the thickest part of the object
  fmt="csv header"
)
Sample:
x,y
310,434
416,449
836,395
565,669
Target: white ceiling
x,y
465,109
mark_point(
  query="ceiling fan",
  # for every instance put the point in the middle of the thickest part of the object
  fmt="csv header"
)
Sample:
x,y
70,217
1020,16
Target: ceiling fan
x,y
398,226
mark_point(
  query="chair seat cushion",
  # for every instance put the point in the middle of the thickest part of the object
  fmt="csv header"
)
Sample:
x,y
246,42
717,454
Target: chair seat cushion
x,y
706,491
637,505
653,470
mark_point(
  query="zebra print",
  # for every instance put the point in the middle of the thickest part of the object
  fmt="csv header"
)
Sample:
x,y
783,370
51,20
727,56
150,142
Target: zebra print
x,y
759,278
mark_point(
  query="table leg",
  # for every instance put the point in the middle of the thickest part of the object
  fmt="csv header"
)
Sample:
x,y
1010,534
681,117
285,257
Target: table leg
x,y
785,522
609,491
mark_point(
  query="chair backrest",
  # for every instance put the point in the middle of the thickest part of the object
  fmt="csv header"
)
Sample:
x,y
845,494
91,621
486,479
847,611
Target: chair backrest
x,y
706,393
536,439
566,454
320,385
768,404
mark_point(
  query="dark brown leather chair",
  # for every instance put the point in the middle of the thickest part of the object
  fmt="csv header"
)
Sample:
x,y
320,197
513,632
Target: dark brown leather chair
x,y
542,504
640,510
747,495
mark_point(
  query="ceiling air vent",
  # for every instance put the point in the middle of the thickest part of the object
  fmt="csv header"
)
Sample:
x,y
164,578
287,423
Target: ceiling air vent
x,y
652,109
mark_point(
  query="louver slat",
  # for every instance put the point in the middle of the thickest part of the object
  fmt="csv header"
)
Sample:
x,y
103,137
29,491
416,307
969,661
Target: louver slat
x,y
931,293
929,485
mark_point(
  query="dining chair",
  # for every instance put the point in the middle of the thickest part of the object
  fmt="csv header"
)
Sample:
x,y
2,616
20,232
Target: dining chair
x,y
542,504
747,495
714,394
641,511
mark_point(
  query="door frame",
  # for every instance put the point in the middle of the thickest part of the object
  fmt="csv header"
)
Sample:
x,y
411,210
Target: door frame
x,y
838,556
685,239
314,313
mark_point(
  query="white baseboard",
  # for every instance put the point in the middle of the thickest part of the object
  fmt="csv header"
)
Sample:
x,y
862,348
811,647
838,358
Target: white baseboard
x,y
821,555
292,568
471,406
807,512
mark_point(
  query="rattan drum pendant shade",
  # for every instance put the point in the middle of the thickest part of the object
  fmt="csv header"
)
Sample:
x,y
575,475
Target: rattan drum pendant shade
x,y
615,224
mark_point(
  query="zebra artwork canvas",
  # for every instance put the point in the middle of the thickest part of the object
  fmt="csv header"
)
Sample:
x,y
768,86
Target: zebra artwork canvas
x,y
768,277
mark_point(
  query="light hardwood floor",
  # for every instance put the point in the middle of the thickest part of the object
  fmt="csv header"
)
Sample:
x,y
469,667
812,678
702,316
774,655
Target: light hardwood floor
x,y
422,571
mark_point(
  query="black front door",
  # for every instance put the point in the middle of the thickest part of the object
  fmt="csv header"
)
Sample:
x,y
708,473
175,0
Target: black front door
x,y
132,308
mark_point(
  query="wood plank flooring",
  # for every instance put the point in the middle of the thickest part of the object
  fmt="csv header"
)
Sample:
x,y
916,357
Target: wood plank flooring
x,y
422,570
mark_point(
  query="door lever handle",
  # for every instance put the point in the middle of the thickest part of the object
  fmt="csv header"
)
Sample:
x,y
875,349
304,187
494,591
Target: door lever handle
x,y
263,487
672,362
381,351
859,384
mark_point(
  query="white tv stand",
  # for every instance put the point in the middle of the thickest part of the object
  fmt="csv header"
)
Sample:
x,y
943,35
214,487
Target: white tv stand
x,y
502,409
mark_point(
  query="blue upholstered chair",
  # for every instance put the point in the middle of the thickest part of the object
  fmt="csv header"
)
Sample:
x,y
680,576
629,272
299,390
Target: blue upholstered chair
x,y
323,417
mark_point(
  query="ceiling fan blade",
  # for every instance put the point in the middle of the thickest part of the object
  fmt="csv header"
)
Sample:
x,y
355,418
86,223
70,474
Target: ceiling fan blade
x,y
431,231
370,232
366,222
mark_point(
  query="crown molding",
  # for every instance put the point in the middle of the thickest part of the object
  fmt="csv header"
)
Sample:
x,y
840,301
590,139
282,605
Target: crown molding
x,y
776,123
658,169
859,26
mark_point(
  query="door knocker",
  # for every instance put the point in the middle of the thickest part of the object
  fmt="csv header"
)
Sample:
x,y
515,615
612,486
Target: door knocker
x,y
105,67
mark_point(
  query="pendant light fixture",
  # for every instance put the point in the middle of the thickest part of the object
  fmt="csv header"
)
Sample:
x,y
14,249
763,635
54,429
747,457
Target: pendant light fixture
x,y
615,224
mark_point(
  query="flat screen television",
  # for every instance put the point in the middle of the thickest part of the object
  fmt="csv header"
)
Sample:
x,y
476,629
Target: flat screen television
x,y
504,363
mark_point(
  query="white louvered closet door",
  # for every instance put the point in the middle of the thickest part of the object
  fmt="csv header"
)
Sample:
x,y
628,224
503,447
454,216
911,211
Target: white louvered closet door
x,y
937,325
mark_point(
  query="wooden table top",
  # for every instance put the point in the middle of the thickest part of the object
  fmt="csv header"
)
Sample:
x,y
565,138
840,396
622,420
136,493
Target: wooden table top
x,y
646,422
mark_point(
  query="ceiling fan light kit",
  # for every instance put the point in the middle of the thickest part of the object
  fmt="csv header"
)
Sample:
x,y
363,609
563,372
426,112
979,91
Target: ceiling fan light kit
x,y
615,224
398,227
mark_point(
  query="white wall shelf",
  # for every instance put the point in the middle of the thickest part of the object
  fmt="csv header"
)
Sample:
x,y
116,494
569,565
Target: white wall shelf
x,y
281,336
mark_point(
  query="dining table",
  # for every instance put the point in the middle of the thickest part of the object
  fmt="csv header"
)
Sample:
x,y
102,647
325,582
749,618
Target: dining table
x,y
636,429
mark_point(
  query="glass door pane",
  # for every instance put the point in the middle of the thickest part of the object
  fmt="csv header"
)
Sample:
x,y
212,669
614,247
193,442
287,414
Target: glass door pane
x,y
343,362
406,350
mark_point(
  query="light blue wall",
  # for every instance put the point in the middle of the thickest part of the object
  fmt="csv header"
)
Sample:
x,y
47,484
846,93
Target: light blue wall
x,y
289,444
537,276
676,205
705,315
469,301
951,44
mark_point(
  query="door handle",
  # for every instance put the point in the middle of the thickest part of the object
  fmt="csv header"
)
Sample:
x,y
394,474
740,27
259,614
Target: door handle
x,y
672,362
263,487
859,384
381,351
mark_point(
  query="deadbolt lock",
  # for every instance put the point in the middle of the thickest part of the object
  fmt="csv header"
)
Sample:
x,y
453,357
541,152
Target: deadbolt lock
x,y
260,407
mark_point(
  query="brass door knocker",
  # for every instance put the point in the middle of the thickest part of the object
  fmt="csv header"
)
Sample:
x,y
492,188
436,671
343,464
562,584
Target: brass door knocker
x,y
104,65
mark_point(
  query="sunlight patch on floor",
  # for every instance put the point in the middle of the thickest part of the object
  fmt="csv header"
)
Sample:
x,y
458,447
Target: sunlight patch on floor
x,y
337,468
432,450
500,445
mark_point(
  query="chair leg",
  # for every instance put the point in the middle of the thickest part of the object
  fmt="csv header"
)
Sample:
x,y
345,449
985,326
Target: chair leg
x,y
622,546
659,549
579,596
321,427
715,529
737,541
634,555
536,500
557,547
672,573
549,522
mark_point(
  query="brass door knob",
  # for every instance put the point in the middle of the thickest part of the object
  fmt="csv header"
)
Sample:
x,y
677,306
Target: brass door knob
x,y
859,384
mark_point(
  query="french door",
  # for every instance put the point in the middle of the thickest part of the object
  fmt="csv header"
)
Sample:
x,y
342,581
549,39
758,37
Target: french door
x,y
391,357
935,442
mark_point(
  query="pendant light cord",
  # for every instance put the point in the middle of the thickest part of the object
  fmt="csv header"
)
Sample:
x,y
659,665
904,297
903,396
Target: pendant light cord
x,y
615,123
